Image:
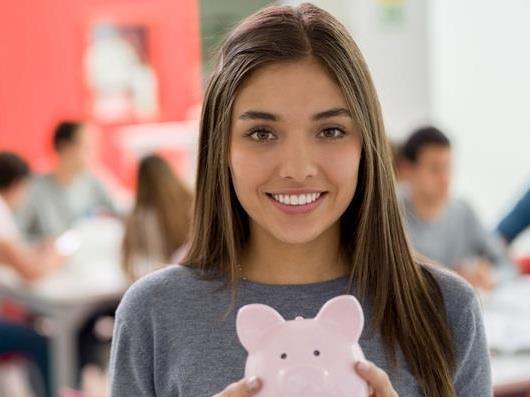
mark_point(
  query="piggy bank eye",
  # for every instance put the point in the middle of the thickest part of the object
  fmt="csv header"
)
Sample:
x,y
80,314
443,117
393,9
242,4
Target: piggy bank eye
x,y
316,353
283,356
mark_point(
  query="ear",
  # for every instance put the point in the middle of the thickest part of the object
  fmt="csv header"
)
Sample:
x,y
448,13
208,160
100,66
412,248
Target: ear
x,y
344,314
254,322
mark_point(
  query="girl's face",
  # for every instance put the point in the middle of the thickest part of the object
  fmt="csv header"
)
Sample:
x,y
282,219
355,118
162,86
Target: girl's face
x,y
294,151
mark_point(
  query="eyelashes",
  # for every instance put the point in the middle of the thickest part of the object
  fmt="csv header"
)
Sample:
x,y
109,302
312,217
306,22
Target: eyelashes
x,y
263,135
258,135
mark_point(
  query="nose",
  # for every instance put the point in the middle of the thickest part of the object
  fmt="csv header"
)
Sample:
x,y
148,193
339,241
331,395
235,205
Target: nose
x,y
297,162
304,382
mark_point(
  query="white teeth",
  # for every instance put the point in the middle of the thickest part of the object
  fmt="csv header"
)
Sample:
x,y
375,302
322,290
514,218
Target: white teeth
x,y
296,199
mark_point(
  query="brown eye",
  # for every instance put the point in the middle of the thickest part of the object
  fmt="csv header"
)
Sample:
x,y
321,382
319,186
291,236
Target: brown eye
x,y
261,135
283,356
332,133
316,353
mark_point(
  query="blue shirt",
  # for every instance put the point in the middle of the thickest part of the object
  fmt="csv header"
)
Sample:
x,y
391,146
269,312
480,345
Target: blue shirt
x,y
517,220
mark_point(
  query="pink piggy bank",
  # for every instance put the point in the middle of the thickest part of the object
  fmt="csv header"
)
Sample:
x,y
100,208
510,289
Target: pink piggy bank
x,y
304,357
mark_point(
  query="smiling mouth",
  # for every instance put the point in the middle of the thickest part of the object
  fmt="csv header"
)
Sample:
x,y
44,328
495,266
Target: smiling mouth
x,y
295,200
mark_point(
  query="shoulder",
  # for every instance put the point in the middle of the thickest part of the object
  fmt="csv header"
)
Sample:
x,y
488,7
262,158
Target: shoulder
x,y
461,301
92,180
458,295
41,188
461,207
41,182
472,372
171,288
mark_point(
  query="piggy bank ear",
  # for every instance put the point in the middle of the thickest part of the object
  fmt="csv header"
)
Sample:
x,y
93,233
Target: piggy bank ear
x,y
254,322
344,314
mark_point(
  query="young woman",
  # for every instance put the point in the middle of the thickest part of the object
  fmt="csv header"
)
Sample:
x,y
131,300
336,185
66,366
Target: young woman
x,y
159,223
295,204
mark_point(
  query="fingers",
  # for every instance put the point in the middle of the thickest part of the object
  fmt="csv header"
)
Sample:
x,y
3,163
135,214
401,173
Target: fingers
x,y
243,388
377,379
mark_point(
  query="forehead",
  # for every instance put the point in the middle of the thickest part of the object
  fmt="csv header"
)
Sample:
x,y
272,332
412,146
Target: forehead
x,y
292,87
434,153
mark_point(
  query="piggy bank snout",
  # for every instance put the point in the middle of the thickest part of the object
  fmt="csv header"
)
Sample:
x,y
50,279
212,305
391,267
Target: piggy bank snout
x,y
304,382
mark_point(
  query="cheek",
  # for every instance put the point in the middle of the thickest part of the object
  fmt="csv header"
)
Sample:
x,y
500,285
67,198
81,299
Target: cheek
x,y
424,178
248,169
342,168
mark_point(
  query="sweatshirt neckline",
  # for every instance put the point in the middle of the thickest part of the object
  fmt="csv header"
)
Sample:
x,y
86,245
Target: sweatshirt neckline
x,y
313,286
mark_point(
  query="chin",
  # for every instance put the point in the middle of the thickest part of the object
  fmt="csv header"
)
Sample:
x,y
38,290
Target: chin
x,y
296,237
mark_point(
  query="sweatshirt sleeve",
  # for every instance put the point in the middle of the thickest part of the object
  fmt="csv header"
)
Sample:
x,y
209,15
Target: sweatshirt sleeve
x,y
131,371
472,376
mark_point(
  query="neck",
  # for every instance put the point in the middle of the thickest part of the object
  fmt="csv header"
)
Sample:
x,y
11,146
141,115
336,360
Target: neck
x,y
270,261
425,208
65,174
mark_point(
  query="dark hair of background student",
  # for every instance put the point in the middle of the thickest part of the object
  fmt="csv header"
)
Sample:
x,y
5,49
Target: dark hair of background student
x,y
421,138
13,169
65,133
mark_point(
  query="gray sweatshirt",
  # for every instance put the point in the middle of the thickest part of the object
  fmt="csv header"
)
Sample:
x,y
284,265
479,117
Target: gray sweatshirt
x,y
170,339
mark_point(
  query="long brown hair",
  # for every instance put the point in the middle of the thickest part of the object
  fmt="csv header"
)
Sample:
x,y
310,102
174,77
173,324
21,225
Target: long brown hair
x,y
160,193
408,304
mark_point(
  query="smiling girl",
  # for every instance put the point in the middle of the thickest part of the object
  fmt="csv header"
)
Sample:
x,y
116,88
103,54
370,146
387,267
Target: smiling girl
x,y
296,204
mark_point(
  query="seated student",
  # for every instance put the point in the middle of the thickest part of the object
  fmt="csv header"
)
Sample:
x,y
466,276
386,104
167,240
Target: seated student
x,y
158,226
442,228
517,220
58,199
29,263
155,235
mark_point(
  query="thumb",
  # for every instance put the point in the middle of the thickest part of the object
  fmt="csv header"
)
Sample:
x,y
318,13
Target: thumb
x,y
251,385
244,388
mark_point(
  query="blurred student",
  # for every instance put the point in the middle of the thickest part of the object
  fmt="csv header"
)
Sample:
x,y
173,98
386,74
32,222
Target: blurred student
x,y
29,263
157,229
155,235
441,227
69,193
517,220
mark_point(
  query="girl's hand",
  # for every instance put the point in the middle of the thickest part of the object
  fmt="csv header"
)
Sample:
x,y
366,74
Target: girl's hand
x,y
243,388
377,379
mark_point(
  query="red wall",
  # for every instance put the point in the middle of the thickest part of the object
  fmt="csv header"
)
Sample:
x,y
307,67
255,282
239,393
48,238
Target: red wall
x,y
41,74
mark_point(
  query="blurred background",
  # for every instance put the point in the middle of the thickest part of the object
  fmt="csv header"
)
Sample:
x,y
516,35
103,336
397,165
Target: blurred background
x,y
99,109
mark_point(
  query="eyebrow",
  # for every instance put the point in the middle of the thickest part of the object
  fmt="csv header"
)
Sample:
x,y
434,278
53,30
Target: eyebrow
x,y
258,115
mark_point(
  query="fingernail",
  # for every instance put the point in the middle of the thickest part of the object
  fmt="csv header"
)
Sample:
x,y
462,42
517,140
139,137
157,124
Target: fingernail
x,y
253,384
363,365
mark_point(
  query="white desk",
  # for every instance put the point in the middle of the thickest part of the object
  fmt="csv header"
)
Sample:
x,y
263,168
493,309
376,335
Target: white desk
x,y
507,321
511,373
91,277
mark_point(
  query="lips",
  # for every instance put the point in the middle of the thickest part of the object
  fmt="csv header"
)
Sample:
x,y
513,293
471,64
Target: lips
x,y
297,208
296,199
